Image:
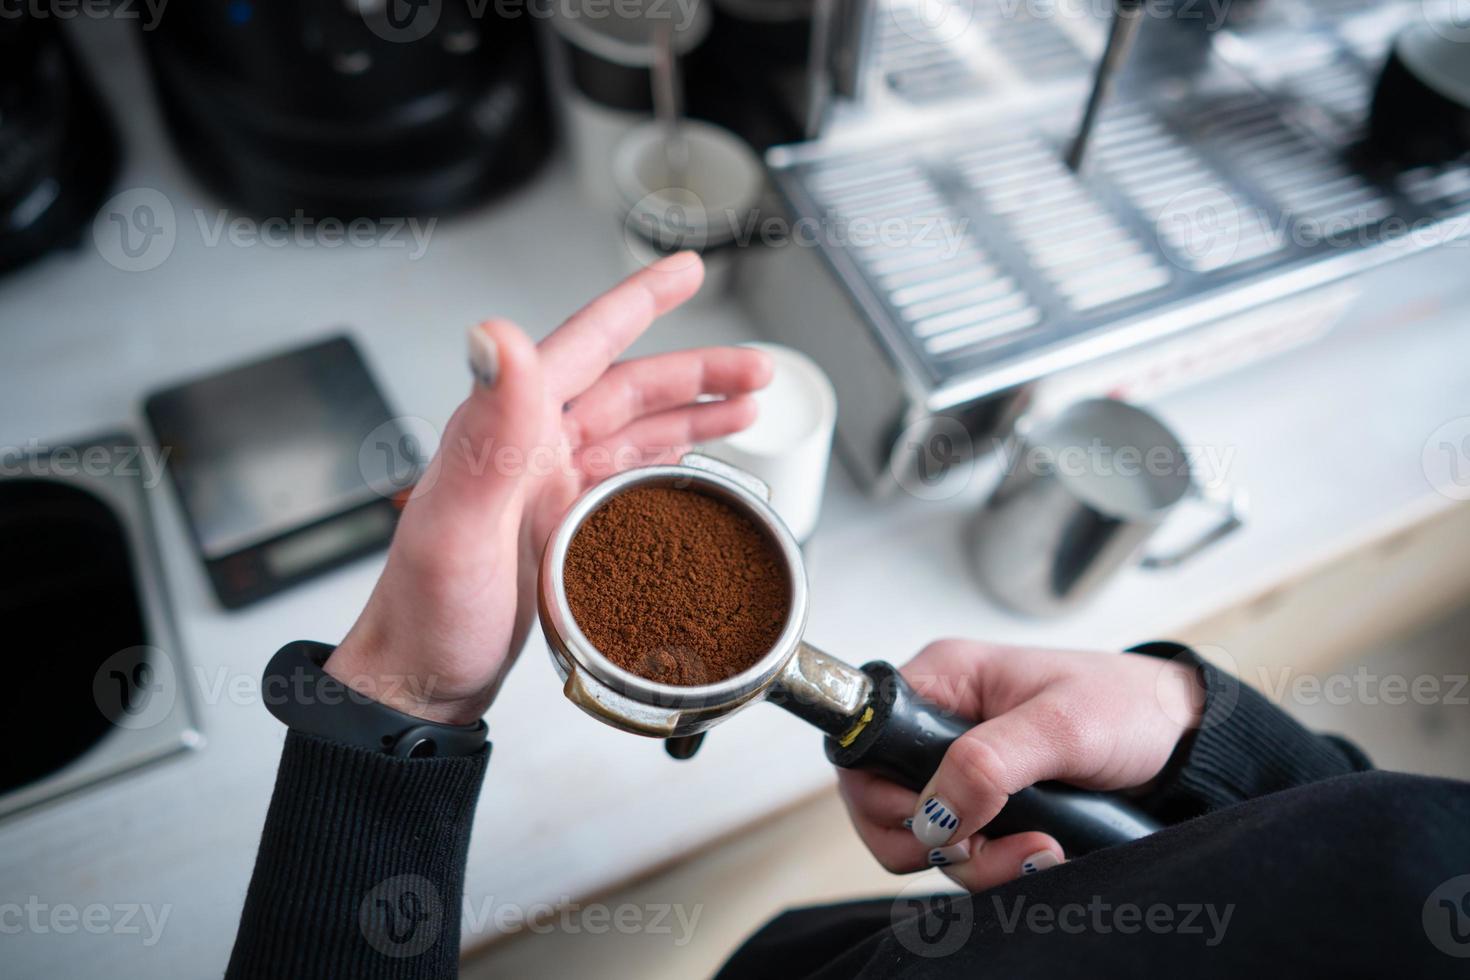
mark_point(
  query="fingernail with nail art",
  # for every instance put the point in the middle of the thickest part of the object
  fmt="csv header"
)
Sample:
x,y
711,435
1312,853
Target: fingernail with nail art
x,y
484,358
1039,861
955,853
935,822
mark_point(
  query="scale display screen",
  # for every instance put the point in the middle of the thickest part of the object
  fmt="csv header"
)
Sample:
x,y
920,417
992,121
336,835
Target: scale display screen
x,y
304,550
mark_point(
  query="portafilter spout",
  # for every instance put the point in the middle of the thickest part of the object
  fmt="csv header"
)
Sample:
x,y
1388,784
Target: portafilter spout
x,y
873,719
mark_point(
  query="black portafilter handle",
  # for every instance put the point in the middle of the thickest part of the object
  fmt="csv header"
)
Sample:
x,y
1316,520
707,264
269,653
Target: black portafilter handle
x,y
908,736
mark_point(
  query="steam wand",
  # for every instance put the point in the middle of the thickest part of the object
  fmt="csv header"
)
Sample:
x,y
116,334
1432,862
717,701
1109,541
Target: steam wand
x,y
667,104
1126,17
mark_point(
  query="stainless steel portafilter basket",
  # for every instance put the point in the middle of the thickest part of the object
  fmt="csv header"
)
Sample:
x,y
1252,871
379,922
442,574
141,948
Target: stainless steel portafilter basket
x,y
872,718
791,671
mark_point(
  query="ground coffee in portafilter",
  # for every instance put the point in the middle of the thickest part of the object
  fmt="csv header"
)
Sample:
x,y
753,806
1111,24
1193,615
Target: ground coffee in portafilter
x,y
676,586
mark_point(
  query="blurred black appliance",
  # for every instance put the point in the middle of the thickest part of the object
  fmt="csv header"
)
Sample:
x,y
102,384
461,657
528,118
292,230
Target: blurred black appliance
x,y
1421,106
58,150
752,74
352,108
610,53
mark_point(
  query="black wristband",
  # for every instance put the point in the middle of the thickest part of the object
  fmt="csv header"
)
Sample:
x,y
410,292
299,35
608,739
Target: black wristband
x,y
298,692
1243,747
1208,678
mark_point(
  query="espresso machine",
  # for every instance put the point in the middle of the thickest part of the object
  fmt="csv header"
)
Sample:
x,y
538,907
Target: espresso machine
x,y
1002,192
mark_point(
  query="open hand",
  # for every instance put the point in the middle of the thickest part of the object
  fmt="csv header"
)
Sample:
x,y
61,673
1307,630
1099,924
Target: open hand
x,y
542,423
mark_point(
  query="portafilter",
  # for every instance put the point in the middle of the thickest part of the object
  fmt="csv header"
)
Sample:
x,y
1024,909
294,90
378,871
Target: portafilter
x,y
873,719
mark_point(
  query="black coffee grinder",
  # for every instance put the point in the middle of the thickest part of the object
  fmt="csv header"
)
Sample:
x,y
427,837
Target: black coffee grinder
x,y
361,109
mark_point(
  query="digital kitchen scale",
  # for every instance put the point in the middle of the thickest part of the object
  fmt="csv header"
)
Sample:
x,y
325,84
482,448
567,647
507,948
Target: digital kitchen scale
x,y
286,467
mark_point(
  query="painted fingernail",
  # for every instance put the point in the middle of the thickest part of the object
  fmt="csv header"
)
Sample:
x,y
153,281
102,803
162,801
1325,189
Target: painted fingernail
x,y
484,358
908,823
935,822
953,854
1039,861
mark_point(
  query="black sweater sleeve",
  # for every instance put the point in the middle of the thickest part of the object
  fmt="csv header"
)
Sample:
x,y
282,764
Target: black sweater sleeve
x,y
1244,747
361,865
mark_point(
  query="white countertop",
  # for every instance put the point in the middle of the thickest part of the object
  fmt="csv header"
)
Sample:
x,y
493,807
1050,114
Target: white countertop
x,y
1328,439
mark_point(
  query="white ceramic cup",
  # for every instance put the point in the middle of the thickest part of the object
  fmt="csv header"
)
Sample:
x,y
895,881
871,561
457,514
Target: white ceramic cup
x,y
789,446
705,207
